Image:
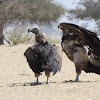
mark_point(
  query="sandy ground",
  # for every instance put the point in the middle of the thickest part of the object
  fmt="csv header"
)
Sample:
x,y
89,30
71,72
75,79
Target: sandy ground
x,y
17,80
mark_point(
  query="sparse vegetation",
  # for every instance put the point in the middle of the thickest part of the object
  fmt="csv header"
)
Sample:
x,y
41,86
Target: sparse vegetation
x,y
18,37
53,39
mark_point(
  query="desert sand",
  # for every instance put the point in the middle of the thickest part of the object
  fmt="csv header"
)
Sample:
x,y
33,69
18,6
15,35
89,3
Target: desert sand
x,y
17,81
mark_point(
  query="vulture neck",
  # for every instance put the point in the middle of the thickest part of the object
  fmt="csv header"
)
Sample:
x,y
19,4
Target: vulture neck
x,y
39,38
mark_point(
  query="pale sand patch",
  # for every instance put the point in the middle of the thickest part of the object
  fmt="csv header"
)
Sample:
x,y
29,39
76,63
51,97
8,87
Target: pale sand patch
x,y
17,80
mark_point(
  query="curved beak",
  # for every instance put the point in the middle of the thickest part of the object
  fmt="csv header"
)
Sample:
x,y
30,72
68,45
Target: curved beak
x,y
59,26
29,30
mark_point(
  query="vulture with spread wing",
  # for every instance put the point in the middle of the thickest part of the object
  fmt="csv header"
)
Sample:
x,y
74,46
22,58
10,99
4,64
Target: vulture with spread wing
x,y
43,56
82,47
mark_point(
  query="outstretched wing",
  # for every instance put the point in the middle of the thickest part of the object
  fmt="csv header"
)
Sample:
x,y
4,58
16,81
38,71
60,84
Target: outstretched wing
x,y
92,40
84,36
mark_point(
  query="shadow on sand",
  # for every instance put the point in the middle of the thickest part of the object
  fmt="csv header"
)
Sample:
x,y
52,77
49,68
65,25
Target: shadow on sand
x,y
72,81
44,83
28,84
24,84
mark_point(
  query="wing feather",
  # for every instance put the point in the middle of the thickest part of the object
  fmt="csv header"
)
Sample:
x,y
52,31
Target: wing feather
x,y
53,57
42,58
91,38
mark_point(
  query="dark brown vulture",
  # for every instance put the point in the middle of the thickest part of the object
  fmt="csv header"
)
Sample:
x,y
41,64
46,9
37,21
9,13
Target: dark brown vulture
x,y
43,56
82,47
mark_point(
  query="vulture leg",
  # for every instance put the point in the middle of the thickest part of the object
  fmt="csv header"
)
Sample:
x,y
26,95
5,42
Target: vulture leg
x,y
78,71
47,80
37,80
37,75
77,78
47,73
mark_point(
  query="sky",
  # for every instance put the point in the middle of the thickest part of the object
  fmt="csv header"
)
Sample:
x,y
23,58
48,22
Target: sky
x,y
67,3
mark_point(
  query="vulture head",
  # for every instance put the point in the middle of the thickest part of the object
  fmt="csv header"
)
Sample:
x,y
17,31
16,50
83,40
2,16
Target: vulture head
x,y
39,38
70,29
34,30
64,27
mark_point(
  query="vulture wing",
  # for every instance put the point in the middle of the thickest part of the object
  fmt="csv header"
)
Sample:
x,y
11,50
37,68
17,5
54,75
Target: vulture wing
x,y
90,38
33,57
52,56
44,57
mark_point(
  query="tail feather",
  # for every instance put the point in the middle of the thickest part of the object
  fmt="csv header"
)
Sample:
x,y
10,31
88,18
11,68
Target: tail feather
x,y
92,68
